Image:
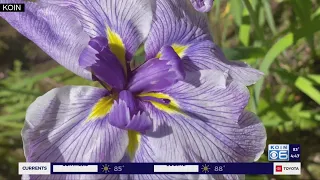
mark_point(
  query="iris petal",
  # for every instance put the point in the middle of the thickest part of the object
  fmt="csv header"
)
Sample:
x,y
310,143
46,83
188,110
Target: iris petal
x,y
146,154
158,74
175,22
179,25
130,19
54,29
103,63
122,116
216,128
207,55
55,130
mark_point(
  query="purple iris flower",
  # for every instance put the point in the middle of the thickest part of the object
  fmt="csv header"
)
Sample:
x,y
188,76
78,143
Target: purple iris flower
x,y
184,104
202,5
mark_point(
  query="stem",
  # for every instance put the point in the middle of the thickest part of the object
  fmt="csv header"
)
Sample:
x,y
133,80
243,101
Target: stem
x,y
254,19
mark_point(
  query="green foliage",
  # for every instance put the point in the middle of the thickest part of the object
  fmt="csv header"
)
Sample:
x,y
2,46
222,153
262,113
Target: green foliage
x,y
276,36
284,49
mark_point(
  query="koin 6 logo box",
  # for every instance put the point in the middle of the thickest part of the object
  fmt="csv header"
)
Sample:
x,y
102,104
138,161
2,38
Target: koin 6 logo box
x,y
278,152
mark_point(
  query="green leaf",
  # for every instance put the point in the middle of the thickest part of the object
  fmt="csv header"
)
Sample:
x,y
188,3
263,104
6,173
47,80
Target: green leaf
x,y
281,95
140,51
244,31
217,4
303,9
316,13
10,133
236,11
36,78
314,77
306,86
11,124
13,117
274,52
269,16
254,20
239,53
20,91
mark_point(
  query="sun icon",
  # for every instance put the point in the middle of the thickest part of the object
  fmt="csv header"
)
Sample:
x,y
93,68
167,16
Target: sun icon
x,y
205,168
105,168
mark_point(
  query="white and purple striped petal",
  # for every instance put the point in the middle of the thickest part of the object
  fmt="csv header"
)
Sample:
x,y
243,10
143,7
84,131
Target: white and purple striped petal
x,y
207,55
158,74
210,126
179,25
175,22
54,29
146,154
130,19
56,130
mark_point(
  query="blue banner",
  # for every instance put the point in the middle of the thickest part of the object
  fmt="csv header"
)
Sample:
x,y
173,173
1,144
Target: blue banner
x,y
162,168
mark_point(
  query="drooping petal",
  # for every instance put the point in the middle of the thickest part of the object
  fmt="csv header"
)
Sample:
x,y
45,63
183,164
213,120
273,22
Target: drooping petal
x,y
54,29
145,154
158,74
202,5
57,130
179,25
207,124
207,55
103,63
128,19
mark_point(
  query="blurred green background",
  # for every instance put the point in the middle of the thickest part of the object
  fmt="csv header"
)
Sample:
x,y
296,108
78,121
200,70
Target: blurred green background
x,y
279,37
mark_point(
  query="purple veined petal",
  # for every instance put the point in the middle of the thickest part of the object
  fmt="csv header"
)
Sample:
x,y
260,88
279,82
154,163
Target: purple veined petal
x,y
94,47
130,19
146,154
158,74
202,5
103,63
178,24
56,130
213,128
207,55
54,29
175,22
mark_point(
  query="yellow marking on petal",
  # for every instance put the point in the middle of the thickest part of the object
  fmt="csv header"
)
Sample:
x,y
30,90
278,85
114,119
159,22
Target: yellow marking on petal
x,y
179,49
101,108
117,47
170,108
134,142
